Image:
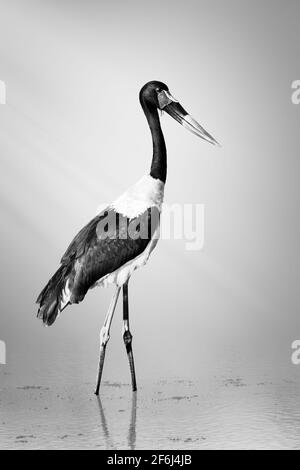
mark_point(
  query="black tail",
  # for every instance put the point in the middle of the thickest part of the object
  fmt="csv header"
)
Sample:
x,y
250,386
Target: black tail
x,y
50,297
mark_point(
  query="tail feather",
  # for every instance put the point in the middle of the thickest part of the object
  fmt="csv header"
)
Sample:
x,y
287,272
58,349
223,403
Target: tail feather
x,y
50,299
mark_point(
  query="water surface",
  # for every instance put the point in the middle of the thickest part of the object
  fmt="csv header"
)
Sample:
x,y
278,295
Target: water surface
x,y
223,411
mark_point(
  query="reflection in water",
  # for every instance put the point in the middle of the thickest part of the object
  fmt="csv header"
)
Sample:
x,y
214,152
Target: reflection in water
x,y
132,425
108,440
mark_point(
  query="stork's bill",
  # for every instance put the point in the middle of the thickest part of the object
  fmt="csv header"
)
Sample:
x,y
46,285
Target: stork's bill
x,y
168,103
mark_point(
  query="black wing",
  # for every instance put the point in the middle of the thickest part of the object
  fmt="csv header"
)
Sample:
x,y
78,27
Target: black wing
x,y
105,244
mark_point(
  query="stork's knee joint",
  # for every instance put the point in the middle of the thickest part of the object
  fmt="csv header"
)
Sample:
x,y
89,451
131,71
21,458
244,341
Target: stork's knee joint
x,y
127,337
104,336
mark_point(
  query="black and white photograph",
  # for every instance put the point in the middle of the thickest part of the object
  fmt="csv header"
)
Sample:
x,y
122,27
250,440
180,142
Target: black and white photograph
x,y
149,191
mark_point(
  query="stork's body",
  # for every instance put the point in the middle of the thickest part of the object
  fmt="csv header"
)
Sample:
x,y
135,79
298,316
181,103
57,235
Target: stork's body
x,y
121,238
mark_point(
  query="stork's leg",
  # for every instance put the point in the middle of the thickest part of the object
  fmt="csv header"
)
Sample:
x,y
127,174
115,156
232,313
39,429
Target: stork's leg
x,y
132,426
127,336
104,335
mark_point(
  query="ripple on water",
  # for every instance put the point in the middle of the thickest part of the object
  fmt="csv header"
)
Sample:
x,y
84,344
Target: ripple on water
x,y
226,412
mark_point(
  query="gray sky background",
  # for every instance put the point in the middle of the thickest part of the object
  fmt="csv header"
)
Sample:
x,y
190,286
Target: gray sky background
x,y
73,136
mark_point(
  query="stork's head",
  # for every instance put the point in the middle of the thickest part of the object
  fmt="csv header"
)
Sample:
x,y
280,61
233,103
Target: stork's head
x,y
157,95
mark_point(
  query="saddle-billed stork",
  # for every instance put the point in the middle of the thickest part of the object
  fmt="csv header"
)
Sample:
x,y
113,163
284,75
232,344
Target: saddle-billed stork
x,y
121,238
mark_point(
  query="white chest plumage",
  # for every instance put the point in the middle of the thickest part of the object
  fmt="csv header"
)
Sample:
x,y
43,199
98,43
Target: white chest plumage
x,y
147,192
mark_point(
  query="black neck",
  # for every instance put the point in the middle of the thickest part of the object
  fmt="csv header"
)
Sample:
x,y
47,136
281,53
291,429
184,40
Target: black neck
x,y
159,159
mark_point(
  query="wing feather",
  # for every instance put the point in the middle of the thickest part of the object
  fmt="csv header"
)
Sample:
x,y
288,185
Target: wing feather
x,y
105,244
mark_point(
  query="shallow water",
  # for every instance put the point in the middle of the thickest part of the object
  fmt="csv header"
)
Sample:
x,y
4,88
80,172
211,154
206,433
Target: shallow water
x,y
217,411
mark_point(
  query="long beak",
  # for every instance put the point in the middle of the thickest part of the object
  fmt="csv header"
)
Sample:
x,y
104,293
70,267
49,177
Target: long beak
x,y
177,112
